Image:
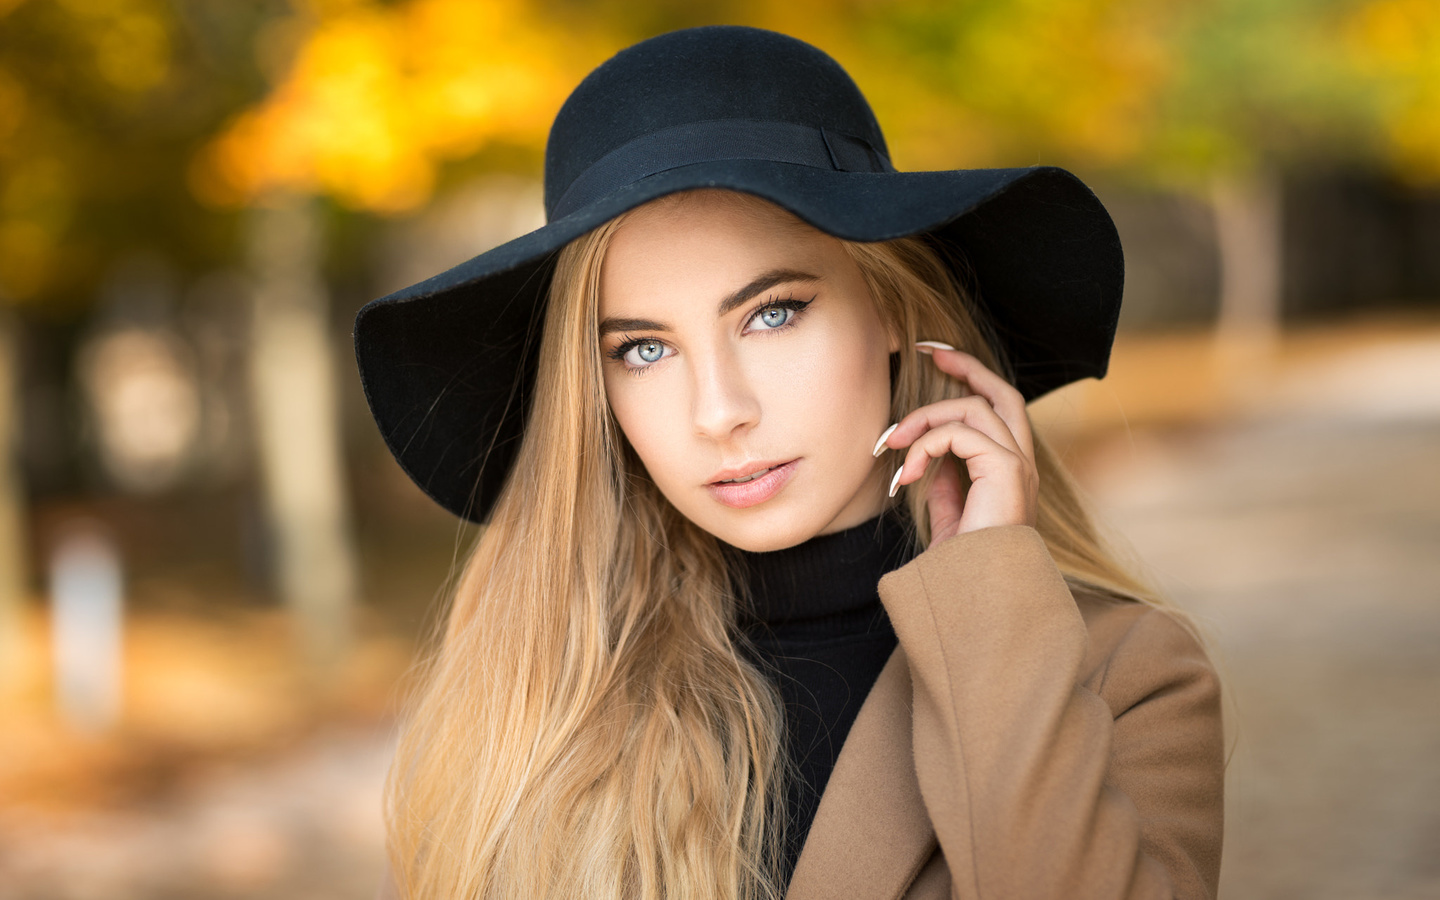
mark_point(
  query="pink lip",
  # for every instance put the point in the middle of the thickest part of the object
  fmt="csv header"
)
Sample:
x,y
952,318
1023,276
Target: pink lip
x,y
751,493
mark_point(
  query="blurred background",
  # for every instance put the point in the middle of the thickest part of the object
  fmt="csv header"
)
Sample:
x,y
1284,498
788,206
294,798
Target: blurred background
x,y
213,578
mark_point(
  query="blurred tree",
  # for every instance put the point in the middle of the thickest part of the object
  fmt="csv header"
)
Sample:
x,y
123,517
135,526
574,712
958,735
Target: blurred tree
x,y
101,103
12,505
297,412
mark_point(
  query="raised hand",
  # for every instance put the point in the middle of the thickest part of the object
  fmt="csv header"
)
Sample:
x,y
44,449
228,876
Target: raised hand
x,y
989,431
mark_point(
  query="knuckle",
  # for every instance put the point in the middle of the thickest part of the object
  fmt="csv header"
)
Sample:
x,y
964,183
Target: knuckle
x,y
930,436
973,402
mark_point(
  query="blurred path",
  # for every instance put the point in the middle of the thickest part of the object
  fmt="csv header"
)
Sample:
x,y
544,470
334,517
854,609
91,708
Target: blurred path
x,y
306,825
1308,541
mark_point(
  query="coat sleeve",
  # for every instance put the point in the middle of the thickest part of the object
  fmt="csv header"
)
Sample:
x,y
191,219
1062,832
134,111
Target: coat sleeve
x,y
1038,786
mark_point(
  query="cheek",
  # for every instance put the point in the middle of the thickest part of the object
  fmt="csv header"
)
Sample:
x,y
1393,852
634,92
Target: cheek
x,y
646,419
845,380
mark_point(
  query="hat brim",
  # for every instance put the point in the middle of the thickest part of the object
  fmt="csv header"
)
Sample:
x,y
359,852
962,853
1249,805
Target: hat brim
x,y
447,364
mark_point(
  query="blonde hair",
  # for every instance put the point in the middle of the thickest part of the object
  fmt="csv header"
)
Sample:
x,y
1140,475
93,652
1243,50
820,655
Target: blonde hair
x,y
589,726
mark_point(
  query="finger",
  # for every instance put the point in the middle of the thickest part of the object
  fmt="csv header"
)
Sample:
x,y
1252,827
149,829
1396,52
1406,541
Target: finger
x,y
1008,402
945,500
974,411
971,445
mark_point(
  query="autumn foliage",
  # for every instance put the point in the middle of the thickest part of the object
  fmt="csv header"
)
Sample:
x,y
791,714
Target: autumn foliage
x,y
368,101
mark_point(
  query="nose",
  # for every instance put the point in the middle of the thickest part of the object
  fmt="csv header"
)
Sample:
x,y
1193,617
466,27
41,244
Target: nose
x,y
725,402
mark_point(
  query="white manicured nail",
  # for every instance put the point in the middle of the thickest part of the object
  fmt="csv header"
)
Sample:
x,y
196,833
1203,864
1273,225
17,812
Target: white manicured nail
x,y
880,444
927,346
895,482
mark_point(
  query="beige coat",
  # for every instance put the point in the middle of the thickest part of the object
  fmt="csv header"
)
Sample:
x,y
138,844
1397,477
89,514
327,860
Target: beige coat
x,y
1022,742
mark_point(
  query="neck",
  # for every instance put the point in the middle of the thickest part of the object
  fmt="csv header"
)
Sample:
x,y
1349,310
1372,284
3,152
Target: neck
x,y
828,575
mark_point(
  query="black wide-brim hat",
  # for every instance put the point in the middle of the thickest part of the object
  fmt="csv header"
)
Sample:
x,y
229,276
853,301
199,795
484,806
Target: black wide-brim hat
x,y
448,364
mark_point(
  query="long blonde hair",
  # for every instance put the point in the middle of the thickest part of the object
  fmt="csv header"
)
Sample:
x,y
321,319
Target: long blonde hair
x,y
588,726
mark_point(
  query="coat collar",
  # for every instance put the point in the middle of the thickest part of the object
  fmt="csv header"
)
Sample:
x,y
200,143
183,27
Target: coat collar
x,y
871,833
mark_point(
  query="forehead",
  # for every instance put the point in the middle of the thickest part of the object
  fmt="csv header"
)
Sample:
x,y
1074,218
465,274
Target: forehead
x,y
705,244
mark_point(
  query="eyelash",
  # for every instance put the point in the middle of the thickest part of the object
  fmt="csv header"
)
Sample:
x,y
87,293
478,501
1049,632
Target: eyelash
x,y
628,343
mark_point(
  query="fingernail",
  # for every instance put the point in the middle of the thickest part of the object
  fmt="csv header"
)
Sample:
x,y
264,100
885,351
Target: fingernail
x,y
927,346
895,482
880,444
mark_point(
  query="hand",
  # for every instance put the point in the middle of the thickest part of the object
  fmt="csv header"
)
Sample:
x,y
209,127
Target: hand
x,y
989,431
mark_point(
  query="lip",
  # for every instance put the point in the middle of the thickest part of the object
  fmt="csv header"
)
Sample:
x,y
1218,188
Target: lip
x,y
751,493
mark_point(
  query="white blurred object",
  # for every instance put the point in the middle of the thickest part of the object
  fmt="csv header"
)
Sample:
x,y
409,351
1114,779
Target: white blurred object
x,y
87,598
145,402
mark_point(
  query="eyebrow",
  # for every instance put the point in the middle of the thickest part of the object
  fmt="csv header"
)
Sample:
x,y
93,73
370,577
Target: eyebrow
x,y
759,284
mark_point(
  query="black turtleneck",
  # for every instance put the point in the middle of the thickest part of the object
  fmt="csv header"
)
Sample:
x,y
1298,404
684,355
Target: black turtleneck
x,y
820,633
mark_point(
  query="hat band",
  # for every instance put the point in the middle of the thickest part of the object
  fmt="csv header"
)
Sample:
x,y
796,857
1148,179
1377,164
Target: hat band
x,y
713,141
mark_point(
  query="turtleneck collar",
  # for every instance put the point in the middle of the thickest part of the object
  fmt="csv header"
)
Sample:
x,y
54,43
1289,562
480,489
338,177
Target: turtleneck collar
x,y
828,575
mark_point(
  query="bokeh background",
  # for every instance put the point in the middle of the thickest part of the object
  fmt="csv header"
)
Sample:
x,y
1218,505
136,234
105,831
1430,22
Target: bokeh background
x,y
213,578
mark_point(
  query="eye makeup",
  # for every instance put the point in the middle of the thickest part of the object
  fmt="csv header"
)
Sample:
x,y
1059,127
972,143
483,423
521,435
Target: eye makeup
x,y
790,303
630,342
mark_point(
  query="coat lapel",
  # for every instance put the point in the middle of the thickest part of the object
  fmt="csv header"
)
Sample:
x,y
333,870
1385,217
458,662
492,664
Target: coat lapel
x,y
871,832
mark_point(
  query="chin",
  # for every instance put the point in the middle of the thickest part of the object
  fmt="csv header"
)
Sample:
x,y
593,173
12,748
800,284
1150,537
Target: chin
x,y
762,532
764,543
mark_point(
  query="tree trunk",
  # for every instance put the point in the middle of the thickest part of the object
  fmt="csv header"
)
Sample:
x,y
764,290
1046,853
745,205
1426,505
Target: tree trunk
x,y
1248,233
12,515
297,423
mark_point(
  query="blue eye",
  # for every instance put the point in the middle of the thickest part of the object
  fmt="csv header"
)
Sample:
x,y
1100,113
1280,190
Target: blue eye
x,y
778,313
643,353
775,316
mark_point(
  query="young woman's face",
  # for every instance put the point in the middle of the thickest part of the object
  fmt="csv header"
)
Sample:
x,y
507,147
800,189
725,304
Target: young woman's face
x,y
739,342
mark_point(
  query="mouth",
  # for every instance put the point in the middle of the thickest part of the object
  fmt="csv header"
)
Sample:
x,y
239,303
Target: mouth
x,y
744,478
752,484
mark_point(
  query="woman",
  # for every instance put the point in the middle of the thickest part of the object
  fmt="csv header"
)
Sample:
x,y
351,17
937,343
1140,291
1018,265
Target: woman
x,y
772,373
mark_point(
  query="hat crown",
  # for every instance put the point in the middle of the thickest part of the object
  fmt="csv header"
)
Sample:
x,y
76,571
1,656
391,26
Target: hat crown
x,y
697,75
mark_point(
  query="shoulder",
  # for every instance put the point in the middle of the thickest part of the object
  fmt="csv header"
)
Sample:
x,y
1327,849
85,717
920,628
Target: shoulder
x,y
1134,650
